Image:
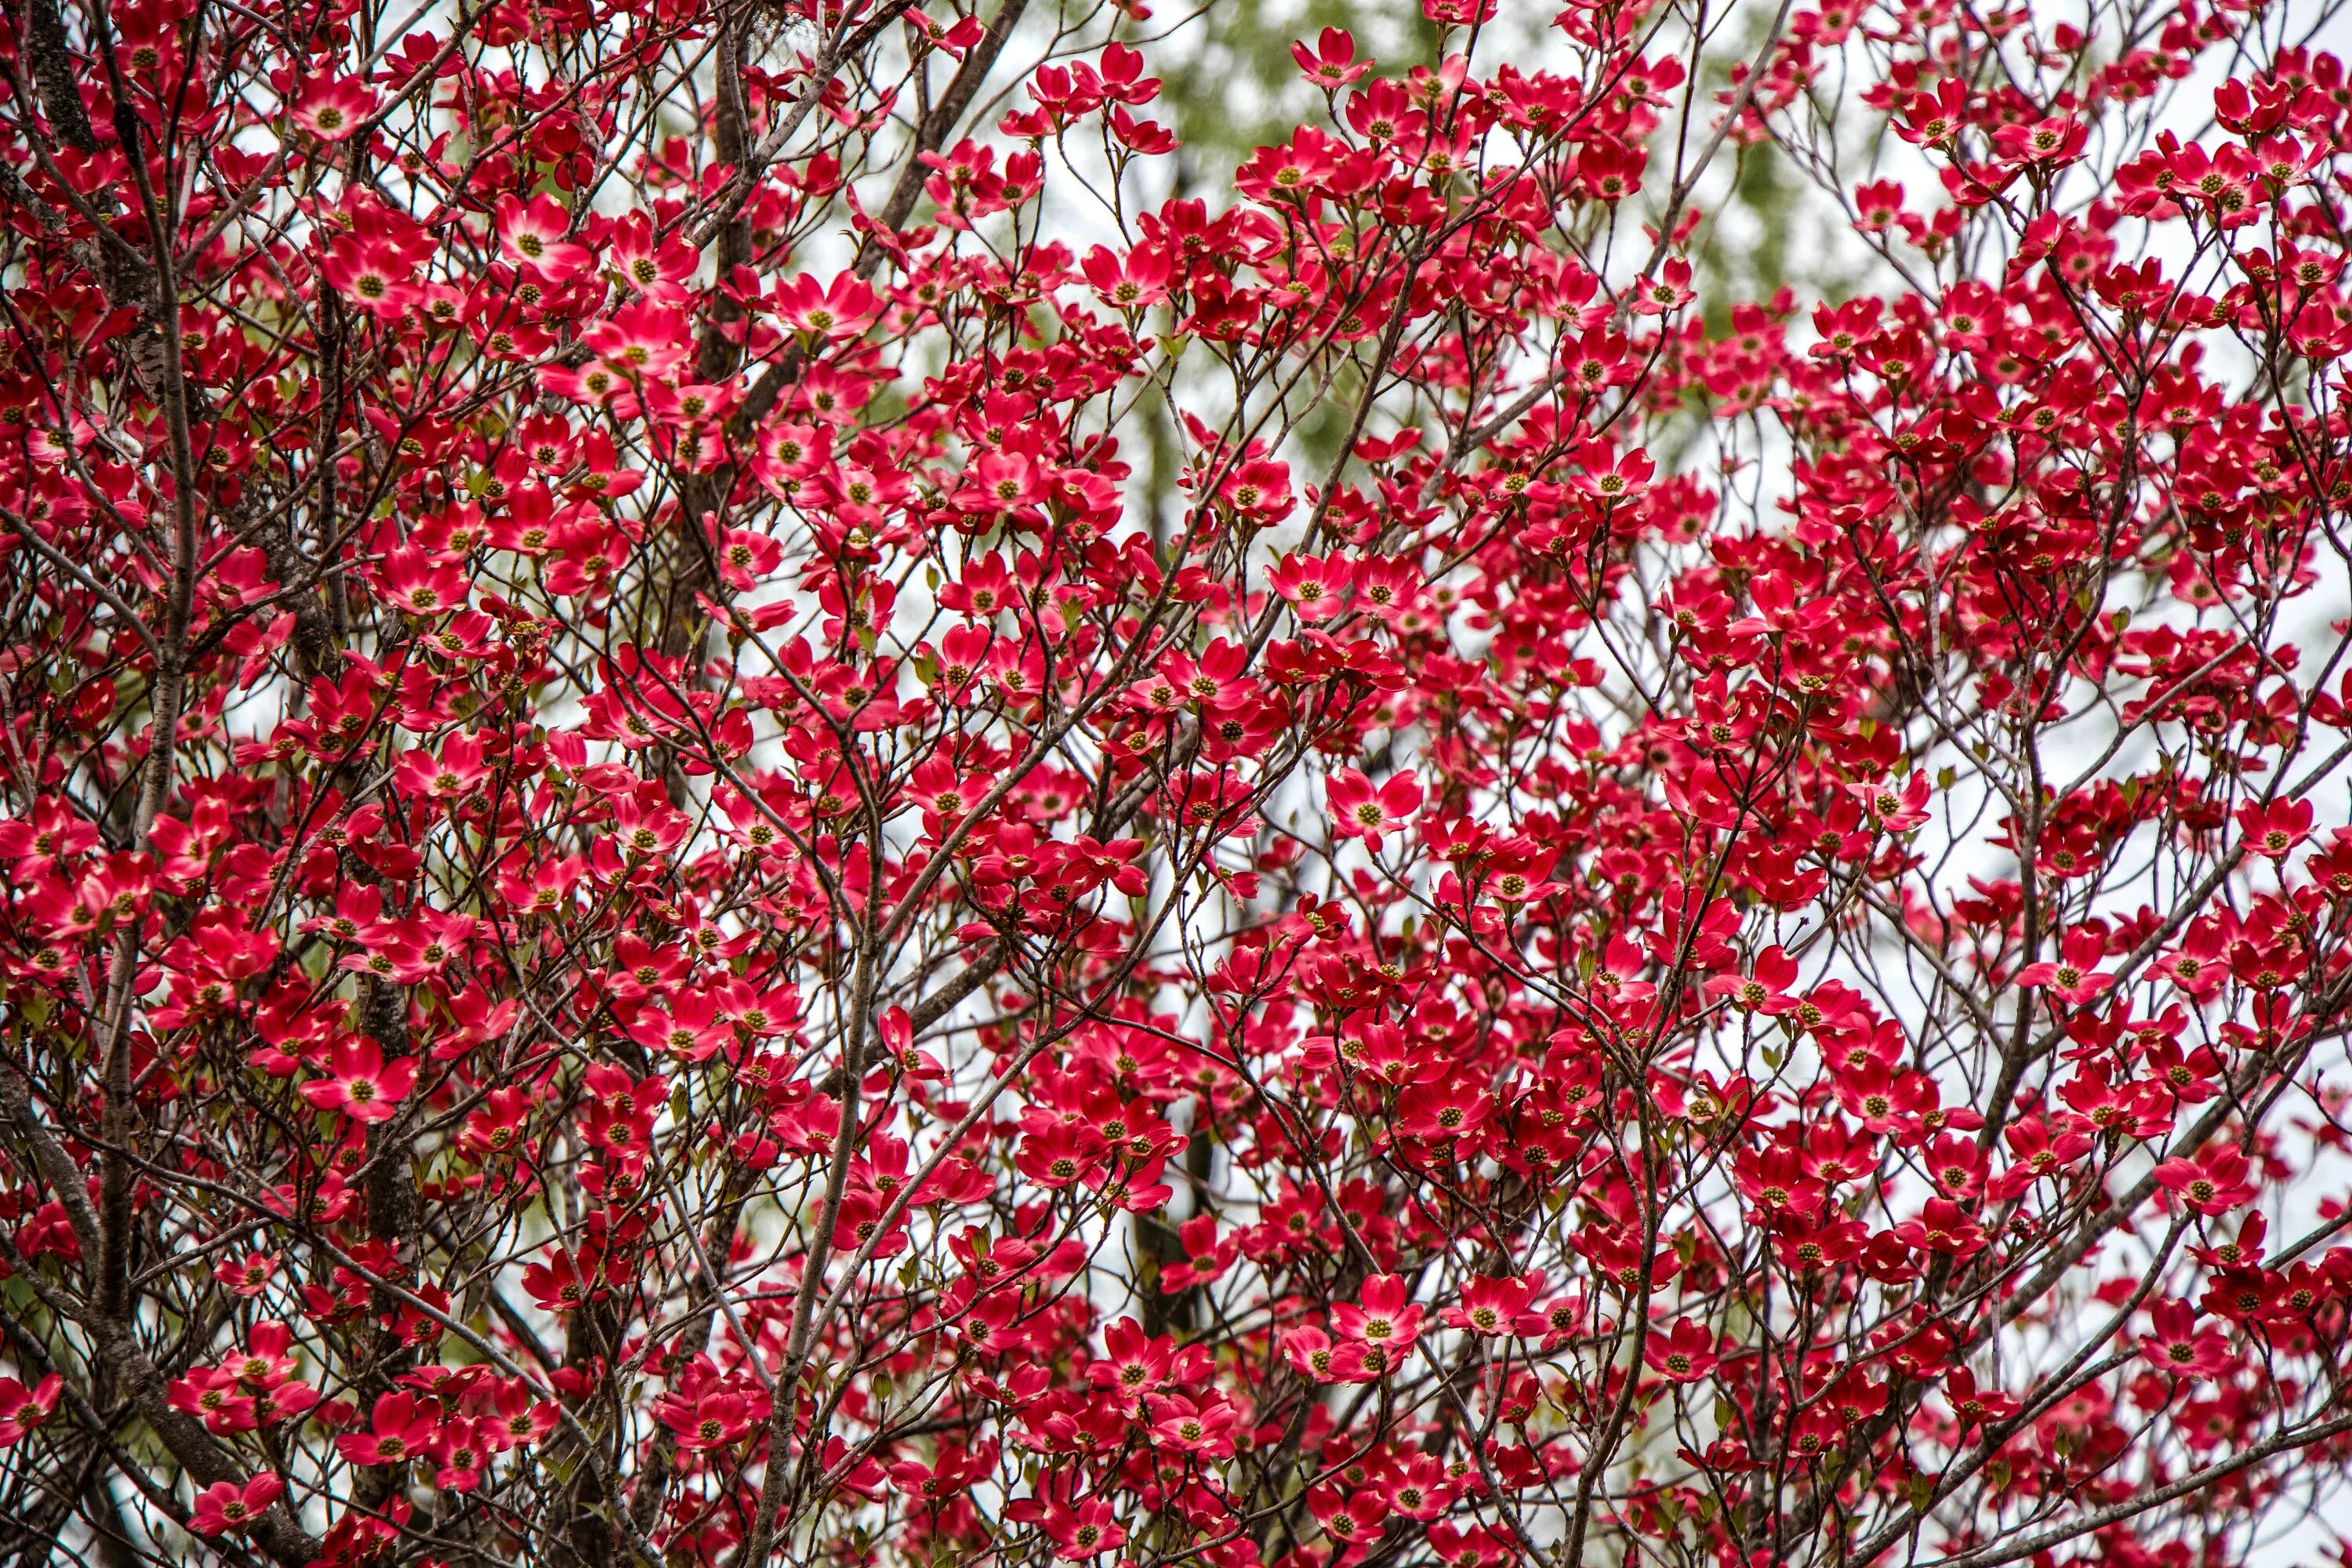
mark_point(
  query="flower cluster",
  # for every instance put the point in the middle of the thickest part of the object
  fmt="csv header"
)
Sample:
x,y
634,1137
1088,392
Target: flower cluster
x,y
744,815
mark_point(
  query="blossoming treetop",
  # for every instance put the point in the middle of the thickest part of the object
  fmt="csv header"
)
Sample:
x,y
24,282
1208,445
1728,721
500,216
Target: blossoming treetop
x,y
727,844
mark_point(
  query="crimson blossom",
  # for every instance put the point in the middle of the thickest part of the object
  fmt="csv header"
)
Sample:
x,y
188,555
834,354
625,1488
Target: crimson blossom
x,y
758,809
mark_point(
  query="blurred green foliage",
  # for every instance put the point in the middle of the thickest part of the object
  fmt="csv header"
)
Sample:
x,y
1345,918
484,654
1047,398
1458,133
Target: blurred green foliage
x,y
1231,85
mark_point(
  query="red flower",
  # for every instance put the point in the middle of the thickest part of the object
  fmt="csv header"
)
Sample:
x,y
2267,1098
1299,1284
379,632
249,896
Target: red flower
x,y
1685,1353
557,1285
1358,810
1332,63
1088,1531
1942,1227
225,1508
535,237
1974,1407
25,1410
2179,1347
1316,586
1132,282
716,1420
362,1085
1493,1306
400,1428
333,108
2215,1182
841,309
460,1452
1443,1111
2074,977
1381,1319
1060,1153
373,275
1203,1428
1765,987
2272,831
214,1396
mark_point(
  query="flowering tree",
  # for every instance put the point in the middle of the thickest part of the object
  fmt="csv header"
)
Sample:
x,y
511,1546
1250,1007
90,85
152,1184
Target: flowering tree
x,y
656,911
